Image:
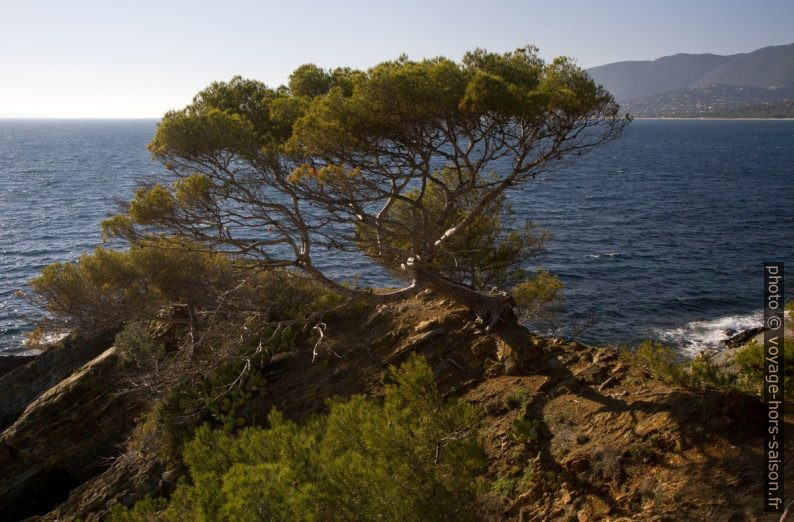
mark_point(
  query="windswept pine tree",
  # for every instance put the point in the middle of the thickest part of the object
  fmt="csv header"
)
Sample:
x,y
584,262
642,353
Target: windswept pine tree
x,y
408,162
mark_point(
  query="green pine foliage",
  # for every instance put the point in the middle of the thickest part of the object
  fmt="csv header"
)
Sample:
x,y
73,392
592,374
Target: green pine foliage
x,y
409,161
539,298
667,365
108,288
660,360
411,456
751,361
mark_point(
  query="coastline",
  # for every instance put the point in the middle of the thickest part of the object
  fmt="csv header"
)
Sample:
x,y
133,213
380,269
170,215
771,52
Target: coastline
x,y
71,415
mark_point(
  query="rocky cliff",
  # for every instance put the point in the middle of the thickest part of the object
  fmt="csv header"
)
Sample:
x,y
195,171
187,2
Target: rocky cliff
x,y
64,437
571,432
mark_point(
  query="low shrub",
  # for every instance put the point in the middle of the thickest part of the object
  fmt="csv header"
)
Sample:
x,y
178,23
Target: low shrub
x,y
110,288
413,456
135,343
539,299
665,364
661,361
503,486
750,361
527,430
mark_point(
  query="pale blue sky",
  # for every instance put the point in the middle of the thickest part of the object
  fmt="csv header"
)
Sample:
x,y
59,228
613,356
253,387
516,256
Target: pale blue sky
x,y
119,58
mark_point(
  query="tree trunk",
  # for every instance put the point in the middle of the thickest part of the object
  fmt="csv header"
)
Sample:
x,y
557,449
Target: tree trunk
x,y
489,308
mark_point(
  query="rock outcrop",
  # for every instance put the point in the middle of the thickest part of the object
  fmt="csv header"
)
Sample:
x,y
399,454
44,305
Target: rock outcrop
x,y
66,436
571,432
24,383
9,362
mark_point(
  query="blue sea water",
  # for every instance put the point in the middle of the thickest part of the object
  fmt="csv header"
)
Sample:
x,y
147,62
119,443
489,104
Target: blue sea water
x,y
660,234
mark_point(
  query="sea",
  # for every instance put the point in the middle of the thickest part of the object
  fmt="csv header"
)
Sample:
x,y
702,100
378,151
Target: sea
x,y
659,235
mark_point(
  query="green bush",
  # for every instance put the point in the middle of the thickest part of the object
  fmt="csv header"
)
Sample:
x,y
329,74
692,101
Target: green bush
x,y
199,326
110,288
661,361
702,373
527,430
642,452
145,510
503,486
750,361
539,298
218,397
135,343
518,398
413,456
670,367
665,364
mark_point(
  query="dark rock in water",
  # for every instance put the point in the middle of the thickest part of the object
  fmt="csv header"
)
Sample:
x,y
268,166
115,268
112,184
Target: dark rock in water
x,y
9,362
742,337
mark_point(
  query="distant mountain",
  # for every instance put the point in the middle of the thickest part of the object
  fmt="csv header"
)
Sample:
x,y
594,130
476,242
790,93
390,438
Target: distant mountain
x,y
756,84
629,80
768,68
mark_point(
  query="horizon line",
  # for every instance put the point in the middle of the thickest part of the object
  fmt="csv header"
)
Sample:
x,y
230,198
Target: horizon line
x,y
80,117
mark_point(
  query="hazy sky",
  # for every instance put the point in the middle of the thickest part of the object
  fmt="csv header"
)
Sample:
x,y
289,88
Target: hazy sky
x,y
114,58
